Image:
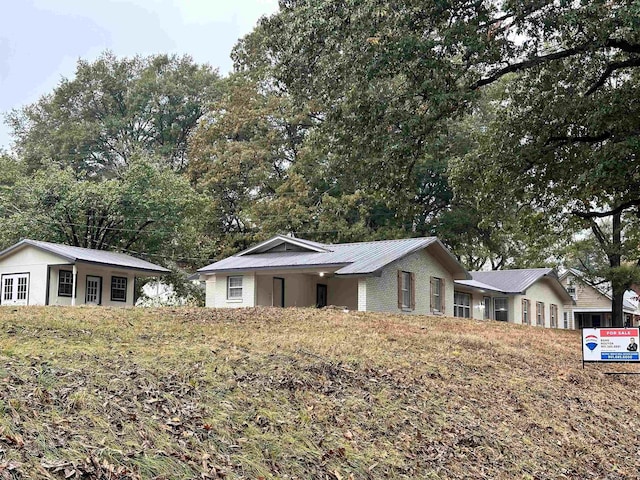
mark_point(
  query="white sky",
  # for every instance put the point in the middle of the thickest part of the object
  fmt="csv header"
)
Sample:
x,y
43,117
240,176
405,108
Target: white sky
x,y
41,40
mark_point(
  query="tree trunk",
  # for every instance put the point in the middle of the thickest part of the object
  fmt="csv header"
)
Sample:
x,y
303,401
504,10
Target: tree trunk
x,y
617,315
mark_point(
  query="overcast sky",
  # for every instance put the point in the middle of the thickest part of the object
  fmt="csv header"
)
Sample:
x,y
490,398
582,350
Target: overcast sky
x,y
41,40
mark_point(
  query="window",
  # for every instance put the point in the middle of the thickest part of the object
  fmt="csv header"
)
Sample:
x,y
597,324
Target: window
x,y
553,314
118,289
22,288
65,283
8,289
487,308
571,290
406,290
526,308
437,295
501,309
540,314
234,288
566,319
461,305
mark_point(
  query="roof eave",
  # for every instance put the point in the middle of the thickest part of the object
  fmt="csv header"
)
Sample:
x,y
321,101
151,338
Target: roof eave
x,y
270,267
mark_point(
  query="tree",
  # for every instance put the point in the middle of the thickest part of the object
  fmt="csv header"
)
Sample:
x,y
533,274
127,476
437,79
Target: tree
x,y
113,108
386,78
562,145
141,211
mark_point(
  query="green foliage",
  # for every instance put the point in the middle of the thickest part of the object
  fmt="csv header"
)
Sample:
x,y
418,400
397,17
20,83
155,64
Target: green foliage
x,y
112,108
141,210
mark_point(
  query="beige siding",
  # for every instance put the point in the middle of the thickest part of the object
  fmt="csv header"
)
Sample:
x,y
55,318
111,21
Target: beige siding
x,y
587,296
382,292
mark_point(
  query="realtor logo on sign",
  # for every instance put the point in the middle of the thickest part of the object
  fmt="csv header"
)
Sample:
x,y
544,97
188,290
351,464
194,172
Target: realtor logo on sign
x,y
610,344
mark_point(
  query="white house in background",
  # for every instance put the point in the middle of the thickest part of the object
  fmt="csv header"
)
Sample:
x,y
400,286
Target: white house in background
x,y
413,275
526,296
592,303
43,273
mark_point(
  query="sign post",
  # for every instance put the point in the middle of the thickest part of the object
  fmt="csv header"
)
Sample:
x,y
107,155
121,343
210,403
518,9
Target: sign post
x,y
610,345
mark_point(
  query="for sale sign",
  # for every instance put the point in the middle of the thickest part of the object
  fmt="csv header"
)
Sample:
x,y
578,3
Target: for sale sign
x,y
610,344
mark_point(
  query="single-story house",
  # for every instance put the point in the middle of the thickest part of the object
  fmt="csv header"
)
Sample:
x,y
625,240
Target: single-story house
x,y
532,296
413,275
42,273
591,306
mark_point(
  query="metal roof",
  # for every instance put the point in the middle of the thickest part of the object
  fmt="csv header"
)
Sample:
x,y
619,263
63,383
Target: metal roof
x,y
478,285
87,255
360,258
512,281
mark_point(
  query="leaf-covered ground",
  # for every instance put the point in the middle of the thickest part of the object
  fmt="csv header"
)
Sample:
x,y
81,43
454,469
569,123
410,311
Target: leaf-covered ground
x,y
301,393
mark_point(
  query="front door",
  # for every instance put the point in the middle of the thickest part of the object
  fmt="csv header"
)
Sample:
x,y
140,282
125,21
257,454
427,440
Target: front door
x,y
321,295
595,321
93,292
278,292
15,289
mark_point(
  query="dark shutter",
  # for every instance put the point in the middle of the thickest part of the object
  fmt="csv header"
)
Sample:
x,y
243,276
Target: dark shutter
x,y
443,295
413,291
431,306
524,302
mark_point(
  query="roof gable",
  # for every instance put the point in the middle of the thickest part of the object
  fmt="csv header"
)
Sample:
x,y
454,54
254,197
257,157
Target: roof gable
x,y
361,258
280,243
87,255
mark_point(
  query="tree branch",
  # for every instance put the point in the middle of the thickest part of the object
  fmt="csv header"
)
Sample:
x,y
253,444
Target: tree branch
x,y
526,64
619,209
612,67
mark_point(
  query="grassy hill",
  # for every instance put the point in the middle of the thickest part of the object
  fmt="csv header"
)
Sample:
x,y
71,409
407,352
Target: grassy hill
x,y
301,393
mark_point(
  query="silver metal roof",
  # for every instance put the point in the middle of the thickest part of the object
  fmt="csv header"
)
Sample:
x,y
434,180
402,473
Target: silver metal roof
x,y
360,258
477,284
512,281
87,255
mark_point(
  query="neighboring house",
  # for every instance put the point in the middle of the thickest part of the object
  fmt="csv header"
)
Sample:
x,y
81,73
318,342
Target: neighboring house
x,y
592,302
532,296
43,273
412,275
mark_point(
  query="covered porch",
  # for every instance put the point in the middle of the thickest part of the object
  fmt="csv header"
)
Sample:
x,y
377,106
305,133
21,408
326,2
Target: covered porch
x,y
305,289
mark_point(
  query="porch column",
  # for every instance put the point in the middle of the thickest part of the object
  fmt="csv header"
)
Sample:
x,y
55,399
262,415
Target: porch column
x,y
73,285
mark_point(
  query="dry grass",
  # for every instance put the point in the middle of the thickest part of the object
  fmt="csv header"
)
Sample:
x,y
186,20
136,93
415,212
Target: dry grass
x,y
300,393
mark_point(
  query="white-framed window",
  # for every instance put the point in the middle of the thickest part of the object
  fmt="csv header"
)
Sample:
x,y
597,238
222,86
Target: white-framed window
x,y
487,308
566,319
118,289
571,290
540,314
461,305
234,287
526,308
501,309
65,283
406,289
